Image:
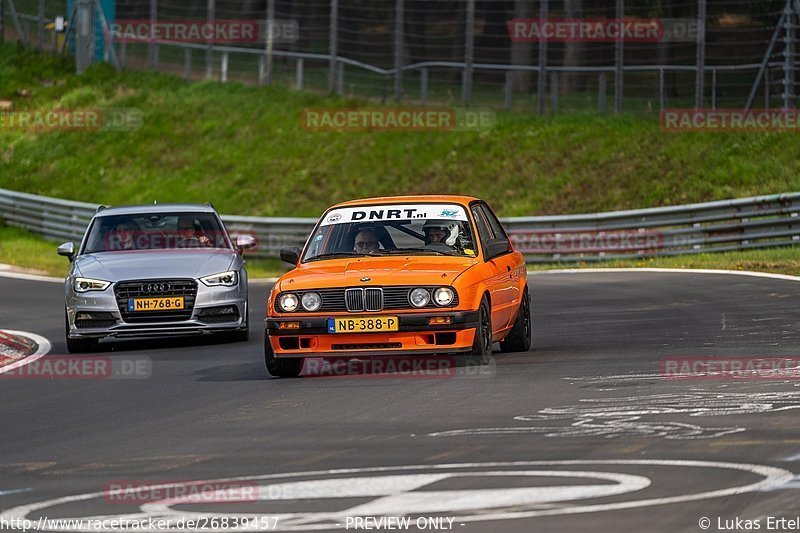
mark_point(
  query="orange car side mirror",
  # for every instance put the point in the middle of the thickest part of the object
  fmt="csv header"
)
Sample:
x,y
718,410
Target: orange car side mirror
x,y
290,254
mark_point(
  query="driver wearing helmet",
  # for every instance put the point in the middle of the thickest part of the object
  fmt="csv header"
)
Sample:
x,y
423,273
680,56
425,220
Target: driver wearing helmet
x,y
440,233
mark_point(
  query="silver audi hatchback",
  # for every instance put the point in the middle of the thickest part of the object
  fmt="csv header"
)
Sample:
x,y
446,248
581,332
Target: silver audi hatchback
x,y
155,270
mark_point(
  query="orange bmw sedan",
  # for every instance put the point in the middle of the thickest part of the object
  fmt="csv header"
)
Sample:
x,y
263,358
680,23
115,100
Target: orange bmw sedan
x,y
403,275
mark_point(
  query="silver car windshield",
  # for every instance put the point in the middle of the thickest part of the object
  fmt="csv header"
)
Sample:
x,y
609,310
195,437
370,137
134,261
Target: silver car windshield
x,y
407,229
155,231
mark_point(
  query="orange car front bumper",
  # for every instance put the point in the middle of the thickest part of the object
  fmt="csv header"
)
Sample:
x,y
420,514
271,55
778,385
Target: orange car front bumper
x,y
415,336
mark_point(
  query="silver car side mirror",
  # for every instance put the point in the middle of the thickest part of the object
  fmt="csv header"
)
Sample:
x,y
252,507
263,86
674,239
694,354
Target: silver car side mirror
x,y
244,242
67,250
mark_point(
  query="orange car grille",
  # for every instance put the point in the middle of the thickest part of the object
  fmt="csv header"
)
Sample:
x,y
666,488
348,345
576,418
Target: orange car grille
x,y
357,299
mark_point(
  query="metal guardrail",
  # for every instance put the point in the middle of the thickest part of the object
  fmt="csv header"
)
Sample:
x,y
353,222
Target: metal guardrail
x,y
746,223
66,220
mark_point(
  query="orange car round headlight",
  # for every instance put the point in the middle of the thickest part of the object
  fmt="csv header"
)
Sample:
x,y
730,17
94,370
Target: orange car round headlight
x,y
419,297
443,296
311,301
288,302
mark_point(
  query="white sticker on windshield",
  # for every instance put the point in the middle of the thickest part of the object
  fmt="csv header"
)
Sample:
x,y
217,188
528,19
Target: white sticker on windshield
x,y
374,213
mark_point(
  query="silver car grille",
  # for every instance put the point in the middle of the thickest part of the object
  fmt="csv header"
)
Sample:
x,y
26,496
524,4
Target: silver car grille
x,y
154,288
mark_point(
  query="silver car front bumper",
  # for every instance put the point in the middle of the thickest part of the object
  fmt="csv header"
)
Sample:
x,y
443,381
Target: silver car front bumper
x,y
104,303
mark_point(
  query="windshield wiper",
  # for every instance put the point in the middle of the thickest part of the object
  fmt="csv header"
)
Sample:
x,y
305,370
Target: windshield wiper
x,y
401,251
335,254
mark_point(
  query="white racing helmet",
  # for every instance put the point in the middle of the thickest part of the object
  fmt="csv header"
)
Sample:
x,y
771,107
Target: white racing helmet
x,y
447,225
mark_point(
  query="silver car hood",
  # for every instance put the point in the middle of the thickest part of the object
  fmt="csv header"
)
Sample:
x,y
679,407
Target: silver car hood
x,y
149,264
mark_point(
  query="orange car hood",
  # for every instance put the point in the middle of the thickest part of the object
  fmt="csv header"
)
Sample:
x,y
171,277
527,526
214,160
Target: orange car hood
x,y
435,270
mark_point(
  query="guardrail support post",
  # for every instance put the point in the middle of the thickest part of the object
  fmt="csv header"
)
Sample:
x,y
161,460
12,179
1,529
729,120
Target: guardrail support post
x,y
554,91
423,86
223,70
187,63
509,90
298,74
662,100
767,89
601,92
713,88
123,54
262,69
340,78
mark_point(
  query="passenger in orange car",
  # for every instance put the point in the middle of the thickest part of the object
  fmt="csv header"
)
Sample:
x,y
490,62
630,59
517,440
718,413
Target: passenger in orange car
x,y
439,234
435,232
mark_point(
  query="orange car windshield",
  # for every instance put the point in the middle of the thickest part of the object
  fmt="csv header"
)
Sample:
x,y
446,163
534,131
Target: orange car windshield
x,y
396,229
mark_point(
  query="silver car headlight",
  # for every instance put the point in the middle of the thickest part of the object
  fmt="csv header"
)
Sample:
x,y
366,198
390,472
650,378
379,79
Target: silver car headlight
x,y
419,297
311,301
88,284
443,296
288,302
223,279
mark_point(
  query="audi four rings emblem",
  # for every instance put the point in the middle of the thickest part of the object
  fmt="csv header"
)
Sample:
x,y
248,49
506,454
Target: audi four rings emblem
x,y
155,287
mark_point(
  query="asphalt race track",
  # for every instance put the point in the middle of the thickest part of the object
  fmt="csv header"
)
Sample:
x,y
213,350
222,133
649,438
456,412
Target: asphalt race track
x,y
582,433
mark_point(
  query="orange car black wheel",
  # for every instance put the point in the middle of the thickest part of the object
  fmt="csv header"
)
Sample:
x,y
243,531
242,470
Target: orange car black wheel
x,y
519,338
482,345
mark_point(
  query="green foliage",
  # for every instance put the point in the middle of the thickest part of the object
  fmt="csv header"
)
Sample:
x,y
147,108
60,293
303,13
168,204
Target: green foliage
x,y
244,149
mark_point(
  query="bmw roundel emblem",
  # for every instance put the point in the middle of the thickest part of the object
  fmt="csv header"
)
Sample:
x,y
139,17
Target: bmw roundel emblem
x,y
334,217
366,279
